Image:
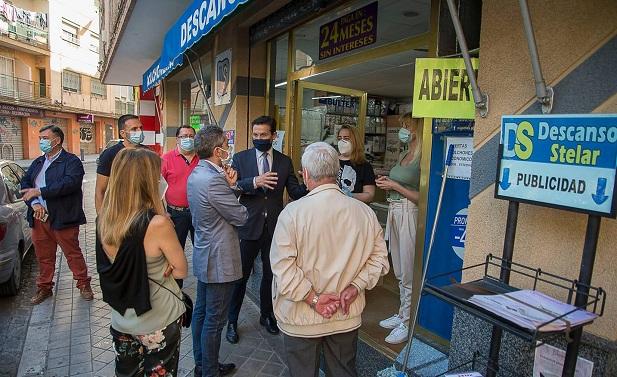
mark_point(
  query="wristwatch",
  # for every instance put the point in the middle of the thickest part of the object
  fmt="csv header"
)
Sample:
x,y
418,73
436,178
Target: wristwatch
x,y
315,300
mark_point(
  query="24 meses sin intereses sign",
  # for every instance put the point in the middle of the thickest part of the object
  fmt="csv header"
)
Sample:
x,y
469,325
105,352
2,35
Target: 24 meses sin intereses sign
x,y
562,161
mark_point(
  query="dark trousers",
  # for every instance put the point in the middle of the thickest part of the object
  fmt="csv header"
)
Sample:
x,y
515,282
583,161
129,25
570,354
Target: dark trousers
x,y
339,351
211,305
249,249
183,224
155,354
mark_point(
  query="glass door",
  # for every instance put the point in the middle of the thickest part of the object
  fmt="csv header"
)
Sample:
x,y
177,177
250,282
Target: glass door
x,y
320,110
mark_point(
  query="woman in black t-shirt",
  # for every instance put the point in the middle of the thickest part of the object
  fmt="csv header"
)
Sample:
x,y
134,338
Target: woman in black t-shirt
x,y
356,177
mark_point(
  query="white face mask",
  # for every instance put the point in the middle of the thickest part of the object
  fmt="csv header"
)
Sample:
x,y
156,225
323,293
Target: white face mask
x,y
344,147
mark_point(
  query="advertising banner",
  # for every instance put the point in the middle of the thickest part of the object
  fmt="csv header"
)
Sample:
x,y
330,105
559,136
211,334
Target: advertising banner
x,y
349,32
562,161
441,89
197,20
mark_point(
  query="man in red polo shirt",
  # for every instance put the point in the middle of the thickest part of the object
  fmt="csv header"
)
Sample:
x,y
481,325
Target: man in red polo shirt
x,y
176,168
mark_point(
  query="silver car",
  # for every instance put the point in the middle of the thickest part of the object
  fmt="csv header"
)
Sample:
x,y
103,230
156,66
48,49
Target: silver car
x,y
15,234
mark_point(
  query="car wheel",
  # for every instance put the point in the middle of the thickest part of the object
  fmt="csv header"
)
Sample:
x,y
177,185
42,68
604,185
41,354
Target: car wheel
x,y
11,287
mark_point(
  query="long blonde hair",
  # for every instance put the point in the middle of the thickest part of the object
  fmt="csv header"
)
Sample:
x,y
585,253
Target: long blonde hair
x,y
357,156
416,127
133,189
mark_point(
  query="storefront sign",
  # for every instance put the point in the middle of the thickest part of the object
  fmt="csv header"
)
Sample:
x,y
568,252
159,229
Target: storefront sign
x,y
458,232
222,79
87,118
195,122
349,32
197,20
441,89
563,161
20,111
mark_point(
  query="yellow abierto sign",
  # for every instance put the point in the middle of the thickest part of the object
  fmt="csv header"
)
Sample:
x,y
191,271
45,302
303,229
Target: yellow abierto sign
x,y
441,89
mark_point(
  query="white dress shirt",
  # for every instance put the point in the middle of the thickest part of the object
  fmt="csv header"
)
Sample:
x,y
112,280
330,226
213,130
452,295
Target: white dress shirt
x,y
260,162
40,180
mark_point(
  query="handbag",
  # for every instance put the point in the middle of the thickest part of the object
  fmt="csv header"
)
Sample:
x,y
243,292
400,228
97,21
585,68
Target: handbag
x,y
186,300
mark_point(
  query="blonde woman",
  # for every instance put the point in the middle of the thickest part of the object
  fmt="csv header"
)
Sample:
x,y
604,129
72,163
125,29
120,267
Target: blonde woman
x,y
402,186
356,177
138,251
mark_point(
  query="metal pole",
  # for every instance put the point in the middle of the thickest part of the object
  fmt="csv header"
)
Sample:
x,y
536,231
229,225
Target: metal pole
x,y
504,276
582,290
543,92
412,328
480,99
201,87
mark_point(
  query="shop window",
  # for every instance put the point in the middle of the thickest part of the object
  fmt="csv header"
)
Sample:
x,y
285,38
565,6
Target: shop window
x,y
70,32
353,28
71,81
278,80
97,88
7,72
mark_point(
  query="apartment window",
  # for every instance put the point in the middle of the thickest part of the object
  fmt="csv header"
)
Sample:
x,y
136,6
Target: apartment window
x,y
97,88
71,81
120,107
70,32
94,42
130,93
7,69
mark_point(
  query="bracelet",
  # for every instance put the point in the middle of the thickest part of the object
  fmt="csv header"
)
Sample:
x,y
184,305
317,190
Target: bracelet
x,y
315,300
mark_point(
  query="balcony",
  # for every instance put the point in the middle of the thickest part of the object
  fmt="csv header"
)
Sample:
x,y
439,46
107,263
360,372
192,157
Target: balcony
x,y
16,90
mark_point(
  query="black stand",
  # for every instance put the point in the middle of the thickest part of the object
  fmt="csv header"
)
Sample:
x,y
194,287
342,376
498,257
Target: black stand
x,y
508,250
582,289
584,281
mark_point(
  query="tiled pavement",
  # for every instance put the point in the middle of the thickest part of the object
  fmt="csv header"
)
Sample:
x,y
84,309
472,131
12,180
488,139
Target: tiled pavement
x,y
68,336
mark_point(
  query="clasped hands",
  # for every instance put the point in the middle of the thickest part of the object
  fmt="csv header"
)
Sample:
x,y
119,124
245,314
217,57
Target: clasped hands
x,y
329,303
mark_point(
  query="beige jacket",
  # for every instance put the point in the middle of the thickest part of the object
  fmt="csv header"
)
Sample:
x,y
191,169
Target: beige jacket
x,y
324,241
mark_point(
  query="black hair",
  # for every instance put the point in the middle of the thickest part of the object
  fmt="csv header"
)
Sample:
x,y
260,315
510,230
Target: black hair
x,y
54,130
265,119
184,126
124,118
207,140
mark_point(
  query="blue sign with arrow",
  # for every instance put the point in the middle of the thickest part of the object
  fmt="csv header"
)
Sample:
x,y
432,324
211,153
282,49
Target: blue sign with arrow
x,y
563,161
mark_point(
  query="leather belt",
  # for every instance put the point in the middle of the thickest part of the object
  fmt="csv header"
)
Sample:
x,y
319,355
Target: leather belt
x,y
181,209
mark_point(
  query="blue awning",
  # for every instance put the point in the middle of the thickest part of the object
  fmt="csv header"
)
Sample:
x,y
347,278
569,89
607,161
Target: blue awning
x,y
197,21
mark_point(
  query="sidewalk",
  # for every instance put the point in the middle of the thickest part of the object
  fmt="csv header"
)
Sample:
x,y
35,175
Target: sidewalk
x,y
88,159
68,336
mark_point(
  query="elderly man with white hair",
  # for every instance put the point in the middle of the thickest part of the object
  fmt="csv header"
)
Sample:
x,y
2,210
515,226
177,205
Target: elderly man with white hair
x,y
327,250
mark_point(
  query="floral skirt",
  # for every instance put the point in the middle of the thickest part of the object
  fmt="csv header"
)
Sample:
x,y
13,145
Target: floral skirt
x,y
151,355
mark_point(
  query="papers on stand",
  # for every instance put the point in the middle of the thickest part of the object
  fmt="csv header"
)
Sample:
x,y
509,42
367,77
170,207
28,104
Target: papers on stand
x,y
468,374
531,309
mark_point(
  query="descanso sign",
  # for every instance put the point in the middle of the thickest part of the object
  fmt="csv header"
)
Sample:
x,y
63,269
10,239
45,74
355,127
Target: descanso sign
x,y
196,21
566,161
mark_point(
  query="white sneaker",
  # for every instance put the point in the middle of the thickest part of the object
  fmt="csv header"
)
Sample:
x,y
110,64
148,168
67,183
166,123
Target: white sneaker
x,y
391,322
398,335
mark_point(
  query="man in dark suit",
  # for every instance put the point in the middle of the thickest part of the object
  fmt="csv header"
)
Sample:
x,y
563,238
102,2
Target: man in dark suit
x,y
263,175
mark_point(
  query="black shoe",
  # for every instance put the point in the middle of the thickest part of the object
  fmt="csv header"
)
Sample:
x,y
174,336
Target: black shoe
x,y
225,369
269,322
232,333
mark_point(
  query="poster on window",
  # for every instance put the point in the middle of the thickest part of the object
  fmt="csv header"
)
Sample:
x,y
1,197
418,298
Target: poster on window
x,y
222,80
549,363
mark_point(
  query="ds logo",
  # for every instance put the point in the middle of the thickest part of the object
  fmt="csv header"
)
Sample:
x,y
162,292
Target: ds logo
x,y
517,140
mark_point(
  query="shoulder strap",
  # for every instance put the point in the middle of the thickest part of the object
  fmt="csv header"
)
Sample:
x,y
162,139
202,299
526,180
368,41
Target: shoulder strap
x,y
168,290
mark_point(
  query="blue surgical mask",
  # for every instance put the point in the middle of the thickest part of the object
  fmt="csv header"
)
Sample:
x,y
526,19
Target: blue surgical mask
x,y
136,137
187,144
404,135
45,145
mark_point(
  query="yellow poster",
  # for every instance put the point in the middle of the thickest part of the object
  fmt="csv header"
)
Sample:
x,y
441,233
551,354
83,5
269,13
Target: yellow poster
x,y
441,89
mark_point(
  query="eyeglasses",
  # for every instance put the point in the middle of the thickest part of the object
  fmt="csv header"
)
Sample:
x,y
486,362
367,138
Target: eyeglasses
x,y
186,137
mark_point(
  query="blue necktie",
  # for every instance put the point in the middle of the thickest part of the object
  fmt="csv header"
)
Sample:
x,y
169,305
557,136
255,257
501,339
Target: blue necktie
x,y
265,166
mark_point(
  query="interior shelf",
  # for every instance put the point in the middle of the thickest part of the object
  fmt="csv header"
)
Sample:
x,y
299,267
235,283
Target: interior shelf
x,y
458,295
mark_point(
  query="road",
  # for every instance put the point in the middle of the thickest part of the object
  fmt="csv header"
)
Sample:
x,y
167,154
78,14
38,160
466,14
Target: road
x,y
15,311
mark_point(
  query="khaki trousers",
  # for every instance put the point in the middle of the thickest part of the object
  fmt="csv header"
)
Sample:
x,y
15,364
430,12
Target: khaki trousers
x,y
401,234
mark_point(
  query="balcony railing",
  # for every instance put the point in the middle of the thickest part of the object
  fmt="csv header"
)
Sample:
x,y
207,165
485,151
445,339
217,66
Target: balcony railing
x,y
27,34
24,90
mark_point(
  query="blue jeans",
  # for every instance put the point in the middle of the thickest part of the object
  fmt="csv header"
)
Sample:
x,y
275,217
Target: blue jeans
x,y
209,318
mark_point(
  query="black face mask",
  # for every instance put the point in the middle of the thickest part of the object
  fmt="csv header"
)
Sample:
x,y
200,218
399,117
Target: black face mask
x,y
262,145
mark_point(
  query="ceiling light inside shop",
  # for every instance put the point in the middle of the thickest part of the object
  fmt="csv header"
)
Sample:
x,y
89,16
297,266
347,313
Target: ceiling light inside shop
x,y
326,97
280,84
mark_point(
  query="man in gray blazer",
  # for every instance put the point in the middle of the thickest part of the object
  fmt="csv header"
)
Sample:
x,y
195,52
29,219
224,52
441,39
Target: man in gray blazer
x,y
216,254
